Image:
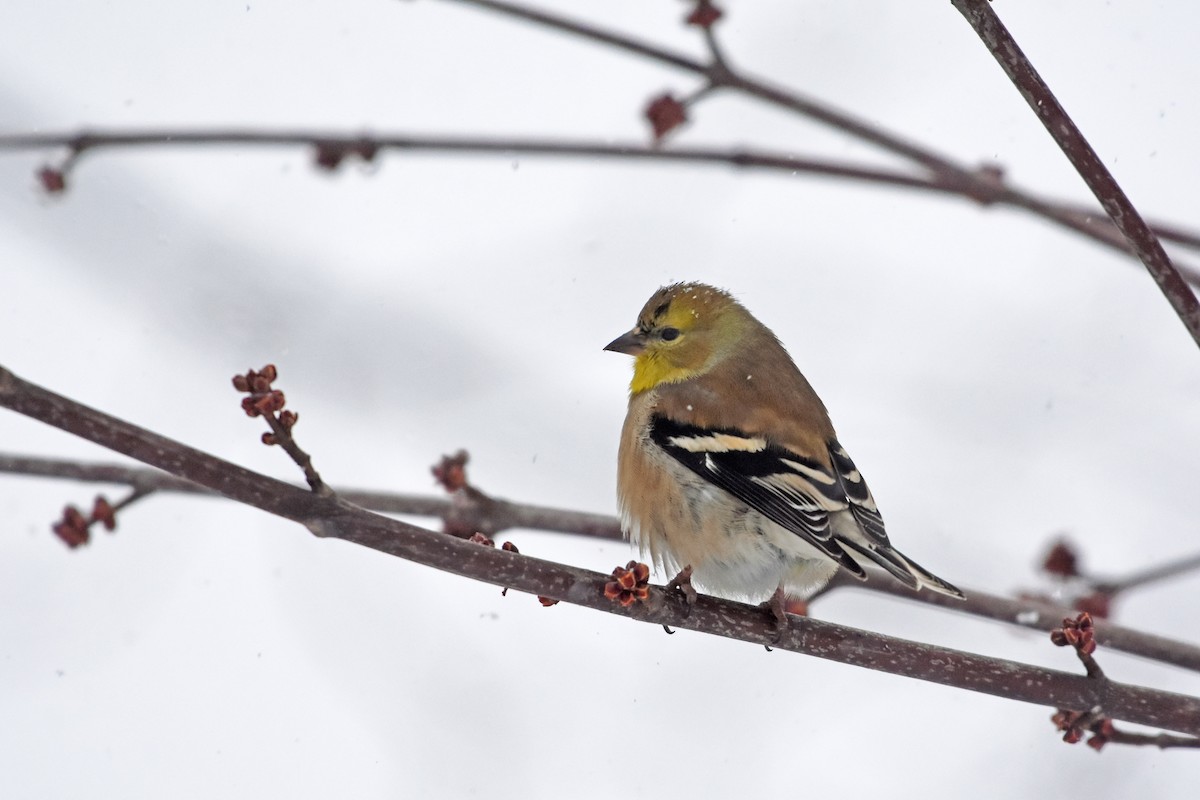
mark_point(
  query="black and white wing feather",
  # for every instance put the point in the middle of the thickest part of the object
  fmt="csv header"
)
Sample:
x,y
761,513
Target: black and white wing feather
x,y
874,544
796,492
801,494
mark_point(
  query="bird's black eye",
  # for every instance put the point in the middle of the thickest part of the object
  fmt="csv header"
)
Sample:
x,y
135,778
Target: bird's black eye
x,y
669,334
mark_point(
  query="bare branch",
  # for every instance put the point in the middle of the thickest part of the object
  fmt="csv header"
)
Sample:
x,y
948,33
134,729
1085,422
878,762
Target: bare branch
x,y
1063,561
1039,616
460,512
334,517
1165,231
331,149
1079,633
74,528
264,400
1163,741
1081,155
1161,572
719,75
499,516
983,185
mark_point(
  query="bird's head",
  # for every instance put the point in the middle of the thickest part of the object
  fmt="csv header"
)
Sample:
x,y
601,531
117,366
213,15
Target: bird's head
x,y
683,331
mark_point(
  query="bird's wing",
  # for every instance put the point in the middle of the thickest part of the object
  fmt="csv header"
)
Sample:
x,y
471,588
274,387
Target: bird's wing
x,y
871,539
794,491
797,492
862,504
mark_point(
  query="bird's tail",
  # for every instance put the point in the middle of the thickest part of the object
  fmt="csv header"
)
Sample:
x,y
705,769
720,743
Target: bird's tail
x,y
927,580
904,569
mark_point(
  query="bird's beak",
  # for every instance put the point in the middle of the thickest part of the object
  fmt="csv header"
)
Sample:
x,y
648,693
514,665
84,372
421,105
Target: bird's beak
x,y
630,343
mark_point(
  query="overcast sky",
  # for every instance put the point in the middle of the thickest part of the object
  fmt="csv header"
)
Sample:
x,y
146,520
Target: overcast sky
x,y
998,381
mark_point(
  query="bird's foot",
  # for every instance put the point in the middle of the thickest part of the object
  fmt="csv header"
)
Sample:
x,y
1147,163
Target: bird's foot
x,y
681,586
777,605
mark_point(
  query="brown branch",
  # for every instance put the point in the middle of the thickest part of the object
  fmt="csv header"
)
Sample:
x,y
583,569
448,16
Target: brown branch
x,y
1038,616
334,517
1087,163
972,183
499,515
1163,741
264,400
1165,231
982,185
460,511
1079,632
74,528
1074,724
1087,592
718,74
715,51
1160,572
87,141
331,149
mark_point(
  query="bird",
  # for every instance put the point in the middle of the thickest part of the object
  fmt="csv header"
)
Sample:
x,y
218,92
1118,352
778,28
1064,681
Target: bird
x,y
729,471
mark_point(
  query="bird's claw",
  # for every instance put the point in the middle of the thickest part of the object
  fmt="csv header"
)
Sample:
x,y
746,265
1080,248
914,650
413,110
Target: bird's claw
x,y
682,584
777,605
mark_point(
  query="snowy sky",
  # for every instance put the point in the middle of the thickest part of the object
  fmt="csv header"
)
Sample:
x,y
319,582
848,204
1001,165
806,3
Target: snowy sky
x,y
998,381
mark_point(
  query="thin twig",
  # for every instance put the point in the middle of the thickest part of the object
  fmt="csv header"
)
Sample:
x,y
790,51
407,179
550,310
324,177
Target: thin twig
x,y
501,515
1079,632
74,527
1163,741
1142,240
1169,569
1087,592
332,516
715,50
1087,163
982,185
264,400
720,75
994,191
137,493
1165,231
1038,616
86,141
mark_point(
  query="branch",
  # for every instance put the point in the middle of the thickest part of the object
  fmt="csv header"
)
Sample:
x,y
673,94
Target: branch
x,y
327,515
1160,572
332,149
462,512
498,515
264,400
1071,141
1039,616
75,529
1079,633
982,185
718,74
1096,595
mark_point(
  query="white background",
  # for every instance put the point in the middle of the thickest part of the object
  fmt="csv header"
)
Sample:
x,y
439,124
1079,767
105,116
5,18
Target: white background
x,y
998,380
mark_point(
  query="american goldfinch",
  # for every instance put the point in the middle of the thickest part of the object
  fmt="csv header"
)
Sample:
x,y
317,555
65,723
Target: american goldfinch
x,y
728,462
